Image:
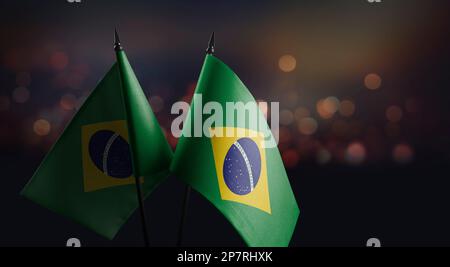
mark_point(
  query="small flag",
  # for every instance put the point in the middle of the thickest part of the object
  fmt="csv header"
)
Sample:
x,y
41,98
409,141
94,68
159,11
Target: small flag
x,y
242,177
88,175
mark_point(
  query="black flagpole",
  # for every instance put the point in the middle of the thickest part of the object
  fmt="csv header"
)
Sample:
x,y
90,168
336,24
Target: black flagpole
x,y
118,47
187,192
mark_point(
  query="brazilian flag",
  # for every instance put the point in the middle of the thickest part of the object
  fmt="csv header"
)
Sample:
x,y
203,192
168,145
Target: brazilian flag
x,y
89,174
241,173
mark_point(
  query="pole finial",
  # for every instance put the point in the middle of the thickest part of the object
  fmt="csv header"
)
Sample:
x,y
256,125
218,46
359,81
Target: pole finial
x,y
117,45
210,49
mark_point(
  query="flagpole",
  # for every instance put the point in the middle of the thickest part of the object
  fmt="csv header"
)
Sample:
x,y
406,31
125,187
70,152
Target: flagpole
x,y
187,195
187,191
118,47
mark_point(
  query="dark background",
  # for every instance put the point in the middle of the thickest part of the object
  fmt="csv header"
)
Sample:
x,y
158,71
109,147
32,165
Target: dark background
x,y
381,171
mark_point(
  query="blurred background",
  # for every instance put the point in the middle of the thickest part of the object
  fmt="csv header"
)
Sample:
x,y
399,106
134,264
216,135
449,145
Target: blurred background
x,y
363,90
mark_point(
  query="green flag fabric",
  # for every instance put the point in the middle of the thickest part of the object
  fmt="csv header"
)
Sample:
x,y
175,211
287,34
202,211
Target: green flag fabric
x,y
88,175
243,178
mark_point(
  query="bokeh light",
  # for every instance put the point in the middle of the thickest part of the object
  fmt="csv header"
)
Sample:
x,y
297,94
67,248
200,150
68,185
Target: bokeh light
x,y
59,60
347,108
301,112
323,156
402,153
394,113
307,126
331,104
322,111
68,102
286,117
355,153
41,127
372,81
290,98
52,114
322,102
287,63
21,95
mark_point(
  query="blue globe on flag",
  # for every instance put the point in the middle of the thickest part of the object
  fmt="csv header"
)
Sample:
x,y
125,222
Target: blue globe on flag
x,y
242,166
110,153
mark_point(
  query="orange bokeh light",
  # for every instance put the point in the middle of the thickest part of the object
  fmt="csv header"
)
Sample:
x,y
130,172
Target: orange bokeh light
x,y
372,81
307,126
394,113
287,63
68,102
286,117
301,112
355,153
323,112
41,127
59,60
347,108
330,104
402,153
